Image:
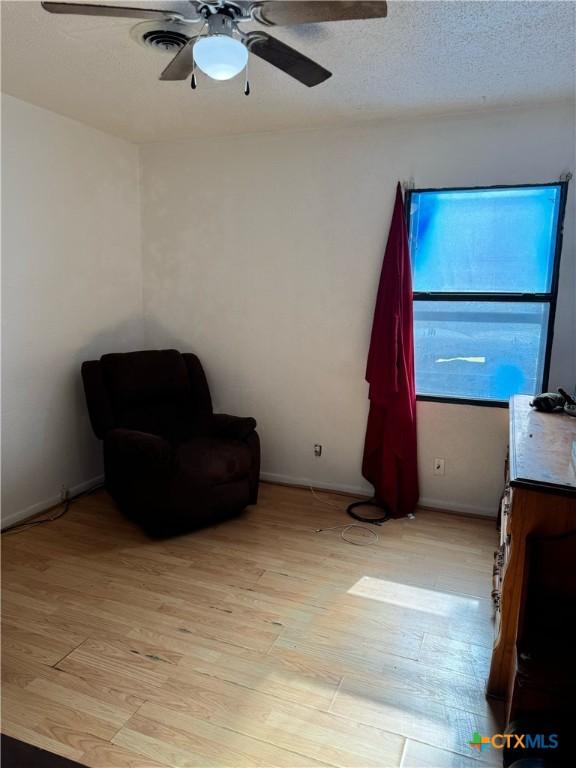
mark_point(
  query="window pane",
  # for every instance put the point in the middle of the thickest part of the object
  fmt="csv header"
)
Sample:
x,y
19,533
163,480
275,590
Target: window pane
x,y
485,350
484,241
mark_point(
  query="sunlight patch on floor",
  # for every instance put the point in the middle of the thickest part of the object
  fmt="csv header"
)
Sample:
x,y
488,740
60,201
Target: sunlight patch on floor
x,y
416,598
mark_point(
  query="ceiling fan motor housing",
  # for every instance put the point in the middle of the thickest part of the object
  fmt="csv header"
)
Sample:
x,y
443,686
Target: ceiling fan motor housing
x,y
240,12
221,24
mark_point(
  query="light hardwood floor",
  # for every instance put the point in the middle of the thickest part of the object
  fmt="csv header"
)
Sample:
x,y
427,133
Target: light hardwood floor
x,y
255,643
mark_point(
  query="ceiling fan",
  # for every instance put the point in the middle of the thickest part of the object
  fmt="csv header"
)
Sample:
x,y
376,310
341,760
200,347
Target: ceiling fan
x,y
221,47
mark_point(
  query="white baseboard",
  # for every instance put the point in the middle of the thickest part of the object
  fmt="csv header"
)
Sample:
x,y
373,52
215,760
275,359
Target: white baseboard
x,y
366,490
269,477
306,482
456,507
23,514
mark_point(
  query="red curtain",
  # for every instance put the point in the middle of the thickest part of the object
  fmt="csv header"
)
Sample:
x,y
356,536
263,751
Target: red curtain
x,y
390,457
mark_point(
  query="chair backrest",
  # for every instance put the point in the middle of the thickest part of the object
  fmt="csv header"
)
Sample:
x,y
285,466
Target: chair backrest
x,y
162,392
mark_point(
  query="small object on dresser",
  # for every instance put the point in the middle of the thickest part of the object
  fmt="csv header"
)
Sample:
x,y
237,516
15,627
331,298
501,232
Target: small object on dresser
x,y
548,402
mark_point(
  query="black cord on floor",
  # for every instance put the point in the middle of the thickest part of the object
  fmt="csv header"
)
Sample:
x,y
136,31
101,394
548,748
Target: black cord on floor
x,y
19,527
369,503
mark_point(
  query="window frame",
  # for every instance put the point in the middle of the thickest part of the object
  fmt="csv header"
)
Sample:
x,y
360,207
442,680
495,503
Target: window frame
x,y
550,298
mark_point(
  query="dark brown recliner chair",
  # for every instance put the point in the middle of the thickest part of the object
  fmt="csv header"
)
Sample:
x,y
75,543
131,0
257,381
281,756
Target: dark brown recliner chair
x,y
170,463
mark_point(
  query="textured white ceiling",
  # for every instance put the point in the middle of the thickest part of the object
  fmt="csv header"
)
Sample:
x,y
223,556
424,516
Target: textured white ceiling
x,y
425,57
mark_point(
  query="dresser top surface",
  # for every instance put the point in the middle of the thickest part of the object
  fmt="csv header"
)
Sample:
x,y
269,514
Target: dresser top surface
x,y
541,447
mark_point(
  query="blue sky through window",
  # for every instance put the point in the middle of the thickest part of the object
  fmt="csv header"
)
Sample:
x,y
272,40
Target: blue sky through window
x,y
494,240
482,241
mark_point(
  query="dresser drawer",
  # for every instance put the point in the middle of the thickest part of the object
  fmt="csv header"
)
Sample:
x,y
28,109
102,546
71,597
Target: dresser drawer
x,y
501,555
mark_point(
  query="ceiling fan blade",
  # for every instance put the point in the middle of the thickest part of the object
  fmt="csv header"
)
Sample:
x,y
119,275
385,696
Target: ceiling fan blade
x,y
181,66
280,13
116,11
286,58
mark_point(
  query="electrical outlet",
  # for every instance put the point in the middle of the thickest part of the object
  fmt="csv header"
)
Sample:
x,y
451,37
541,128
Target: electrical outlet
x,y
317,449
439,466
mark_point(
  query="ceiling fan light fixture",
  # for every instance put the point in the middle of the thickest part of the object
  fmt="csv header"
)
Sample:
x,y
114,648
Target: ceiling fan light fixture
x,y
221,57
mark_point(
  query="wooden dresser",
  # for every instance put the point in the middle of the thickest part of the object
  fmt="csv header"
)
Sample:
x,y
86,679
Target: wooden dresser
x,y
540,499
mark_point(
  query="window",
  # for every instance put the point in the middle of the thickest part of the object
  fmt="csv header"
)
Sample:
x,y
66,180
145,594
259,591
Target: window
x,y
485,271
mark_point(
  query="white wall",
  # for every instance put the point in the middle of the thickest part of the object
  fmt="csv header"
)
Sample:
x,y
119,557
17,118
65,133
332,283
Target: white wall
x,y
262,253
71,290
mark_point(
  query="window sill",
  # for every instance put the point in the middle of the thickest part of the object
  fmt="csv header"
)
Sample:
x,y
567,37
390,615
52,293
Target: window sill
x,y
462,401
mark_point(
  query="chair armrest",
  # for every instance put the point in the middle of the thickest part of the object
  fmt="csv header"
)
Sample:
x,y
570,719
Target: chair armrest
x,y
143,448
232,427
138,468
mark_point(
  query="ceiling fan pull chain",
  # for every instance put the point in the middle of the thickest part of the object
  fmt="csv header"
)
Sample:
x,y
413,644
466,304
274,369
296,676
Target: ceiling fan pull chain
x,y
193,81
246,81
